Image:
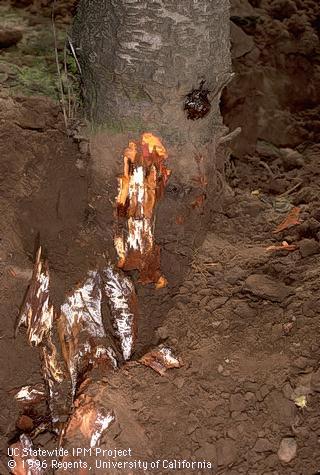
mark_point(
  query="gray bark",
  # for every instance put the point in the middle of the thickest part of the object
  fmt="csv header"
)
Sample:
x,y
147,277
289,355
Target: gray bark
x,y
139,59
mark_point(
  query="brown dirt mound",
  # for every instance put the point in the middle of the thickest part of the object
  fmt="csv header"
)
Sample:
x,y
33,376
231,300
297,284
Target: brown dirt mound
x,y
243,321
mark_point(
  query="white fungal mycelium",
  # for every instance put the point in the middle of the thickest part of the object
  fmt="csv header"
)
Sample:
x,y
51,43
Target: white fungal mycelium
x,y
139,234
37,312
136,187
43,325
168,357
29,393
84,306
119,290
102,423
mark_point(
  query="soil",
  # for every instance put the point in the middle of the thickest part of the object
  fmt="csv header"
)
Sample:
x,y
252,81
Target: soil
x,y
242,319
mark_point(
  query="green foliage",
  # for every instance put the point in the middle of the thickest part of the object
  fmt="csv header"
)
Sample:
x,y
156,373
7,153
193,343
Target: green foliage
x,y
36,79
32,64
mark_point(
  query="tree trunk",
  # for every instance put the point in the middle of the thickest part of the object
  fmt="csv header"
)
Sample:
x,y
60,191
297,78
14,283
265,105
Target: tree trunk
x,y
139,61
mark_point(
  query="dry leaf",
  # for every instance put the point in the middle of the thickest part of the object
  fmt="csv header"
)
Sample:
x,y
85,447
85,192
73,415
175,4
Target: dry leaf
x,y
291,220
283,247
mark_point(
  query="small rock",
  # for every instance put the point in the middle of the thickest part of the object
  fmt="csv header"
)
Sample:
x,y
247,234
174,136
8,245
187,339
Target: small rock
x,y
9,37
287,450
227,452
263,445
308,247
263,286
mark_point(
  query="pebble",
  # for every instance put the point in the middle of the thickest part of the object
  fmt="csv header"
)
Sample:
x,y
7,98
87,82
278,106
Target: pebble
x,y
287,450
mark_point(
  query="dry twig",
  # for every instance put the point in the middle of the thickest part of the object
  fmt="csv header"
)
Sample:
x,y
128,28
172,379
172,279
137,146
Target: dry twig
x,y
62,98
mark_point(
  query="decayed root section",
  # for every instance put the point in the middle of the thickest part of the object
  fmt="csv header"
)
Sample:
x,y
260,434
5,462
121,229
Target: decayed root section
x,y
77,353
161,359
88,422
58,386
38,315
73,342
37,312
33,394
81,331
123,306
144,178
25,464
